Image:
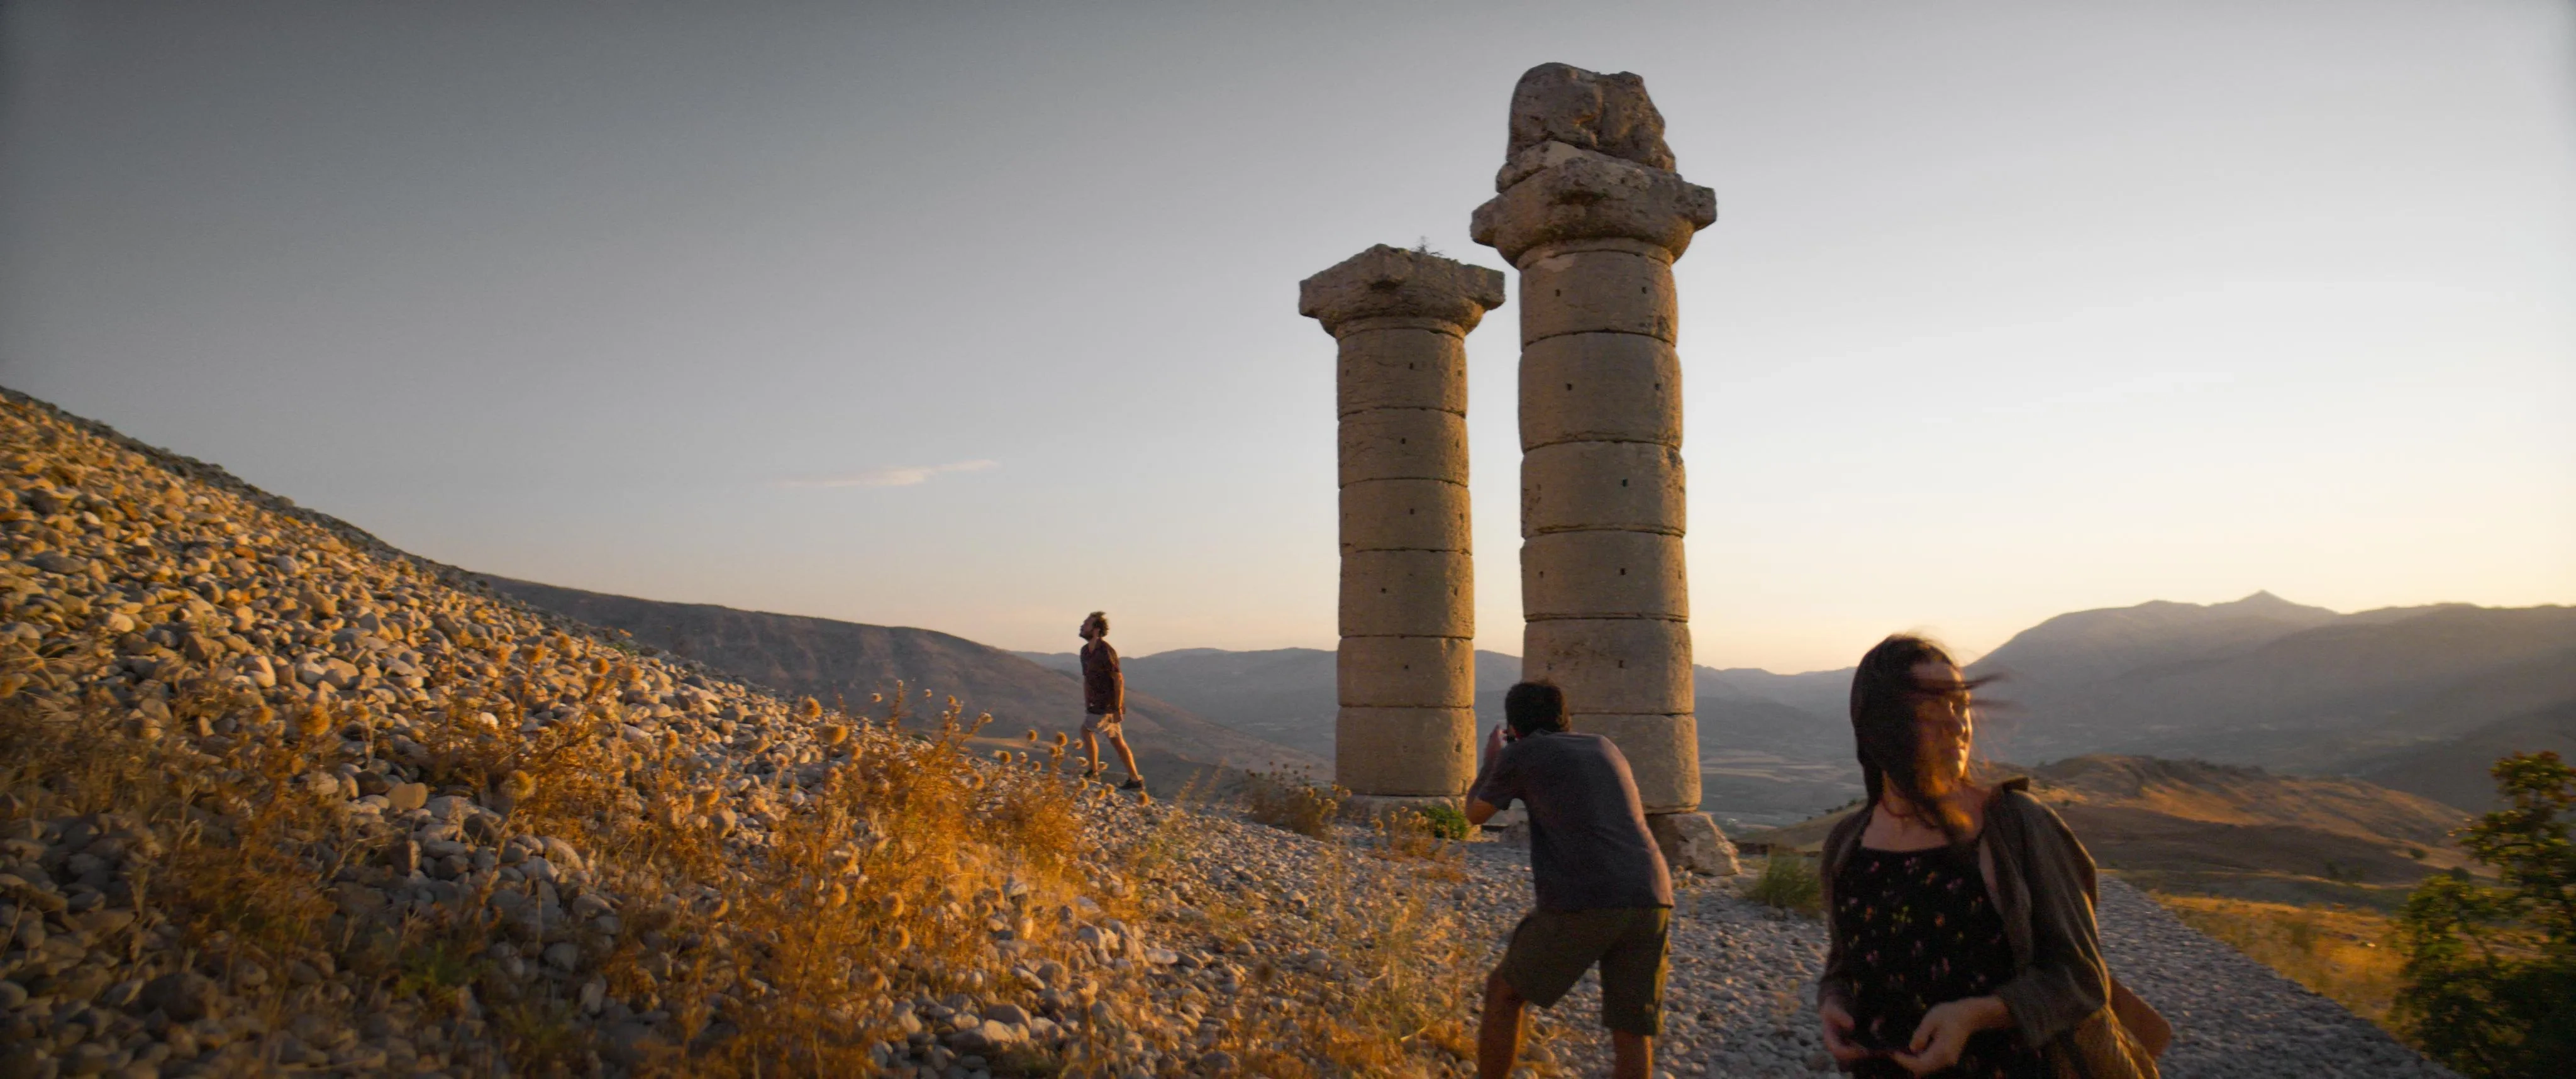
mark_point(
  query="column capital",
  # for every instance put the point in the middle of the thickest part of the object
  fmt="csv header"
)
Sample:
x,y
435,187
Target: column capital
x,y
1562,194
1393,283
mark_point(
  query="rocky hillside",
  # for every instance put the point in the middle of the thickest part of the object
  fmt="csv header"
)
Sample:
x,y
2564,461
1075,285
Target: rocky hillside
x,y
277,797
835,661
2456,770
2231,830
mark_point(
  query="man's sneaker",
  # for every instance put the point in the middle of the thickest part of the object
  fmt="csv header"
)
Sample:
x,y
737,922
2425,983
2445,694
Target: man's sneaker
x,y
1133,784
1092,772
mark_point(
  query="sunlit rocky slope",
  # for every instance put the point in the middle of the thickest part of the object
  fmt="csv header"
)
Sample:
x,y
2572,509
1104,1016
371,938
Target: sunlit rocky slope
x,y
277,797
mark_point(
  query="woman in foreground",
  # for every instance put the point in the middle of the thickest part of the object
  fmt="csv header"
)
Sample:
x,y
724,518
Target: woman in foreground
x,y
1959,916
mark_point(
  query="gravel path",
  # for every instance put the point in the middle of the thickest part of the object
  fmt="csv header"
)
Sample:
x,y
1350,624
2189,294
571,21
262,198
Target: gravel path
x,y
1740,1001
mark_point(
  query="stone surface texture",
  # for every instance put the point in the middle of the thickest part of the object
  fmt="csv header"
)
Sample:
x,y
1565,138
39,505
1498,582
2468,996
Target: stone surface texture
x,y
1694,840
1561,103
1592,214
1406,727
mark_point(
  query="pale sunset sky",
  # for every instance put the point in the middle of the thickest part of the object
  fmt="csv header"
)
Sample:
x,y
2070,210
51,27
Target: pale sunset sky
x,y
978,317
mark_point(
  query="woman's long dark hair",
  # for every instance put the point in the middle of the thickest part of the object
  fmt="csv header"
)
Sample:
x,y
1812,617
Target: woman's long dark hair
x,y
1886,737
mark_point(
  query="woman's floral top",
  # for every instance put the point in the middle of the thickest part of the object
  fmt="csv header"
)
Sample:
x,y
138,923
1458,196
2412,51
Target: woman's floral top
x,y
1922,932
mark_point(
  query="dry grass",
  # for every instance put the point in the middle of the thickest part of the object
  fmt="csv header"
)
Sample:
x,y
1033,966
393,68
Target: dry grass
x,y
884,884
1405,1007
891,850
886,881
2344,954
1293,802
1398,999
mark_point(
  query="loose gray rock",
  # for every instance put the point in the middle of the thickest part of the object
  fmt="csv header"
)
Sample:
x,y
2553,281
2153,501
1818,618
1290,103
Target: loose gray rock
x,y
185,996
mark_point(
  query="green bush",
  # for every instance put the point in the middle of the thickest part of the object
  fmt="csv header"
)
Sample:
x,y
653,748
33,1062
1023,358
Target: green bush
x,y
1446,822
2490,975
1789,882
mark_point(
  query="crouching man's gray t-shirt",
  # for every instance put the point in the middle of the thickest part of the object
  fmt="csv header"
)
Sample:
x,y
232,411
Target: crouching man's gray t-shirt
x,y
1589,848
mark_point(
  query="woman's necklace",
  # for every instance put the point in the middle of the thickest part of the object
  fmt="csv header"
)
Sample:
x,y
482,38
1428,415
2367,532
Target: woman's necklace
x,y
1907,825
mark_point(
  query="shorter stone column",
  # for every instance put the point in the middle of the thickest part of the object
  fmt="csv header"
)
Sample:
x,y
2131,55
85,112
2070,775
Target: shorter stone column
x,y
1406,671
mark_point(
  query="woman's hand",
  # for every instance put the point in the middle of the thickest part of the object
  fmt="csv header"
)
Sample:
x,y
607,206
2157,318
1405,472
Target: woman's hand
x,y
1838,1028
1944,1032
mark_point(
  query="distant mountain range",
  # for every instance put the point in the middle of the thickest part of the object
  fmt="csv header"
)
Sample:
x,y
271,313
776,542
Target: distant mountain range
x,y
847,661
1767,760
2420,699
2267,682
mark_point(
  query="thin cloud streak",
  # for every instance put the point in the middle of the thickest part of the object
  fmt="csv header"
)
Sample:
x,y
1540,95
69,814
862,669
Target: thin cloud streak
x,y
890,476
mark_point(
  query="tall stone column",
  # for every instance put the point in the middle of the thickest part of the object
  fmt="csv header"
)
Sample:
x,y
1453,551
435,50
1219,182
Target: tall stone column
x,y
1592,214
1407,667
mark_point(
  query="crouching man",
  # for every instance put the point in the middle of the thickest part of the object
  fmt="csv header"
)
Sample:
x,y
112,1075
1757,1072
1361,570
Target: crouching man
x,y
1604,895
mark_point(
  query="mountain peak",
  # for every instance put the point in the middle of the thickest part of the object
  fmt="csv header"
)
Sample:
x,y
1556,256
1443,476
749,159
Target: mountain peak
x,y
2097,644
2263,599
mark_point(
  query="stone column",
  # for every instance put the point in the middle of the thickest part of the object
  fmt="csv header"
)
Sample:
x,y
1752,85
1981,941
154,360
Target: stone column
x,y
1407,667
1593,215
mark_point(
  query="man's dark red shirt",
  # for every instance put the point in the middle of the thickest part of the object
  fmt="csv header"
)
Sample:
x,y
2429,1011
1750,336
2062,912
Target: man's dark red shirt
x,y
1100,679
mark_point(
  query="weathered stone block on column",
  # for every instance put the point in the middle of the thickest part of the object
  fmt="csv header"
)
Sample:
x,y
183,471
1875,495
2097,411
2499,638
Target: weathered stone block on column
x,y
1391,756
1406,729
1600,387
1404,515
1408,594
1408,672
1591,212
1625,665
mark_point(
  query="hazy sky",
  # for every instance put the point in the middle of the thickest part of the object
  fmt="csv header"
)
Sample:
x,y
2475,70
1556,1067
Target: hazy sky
x,y
980,316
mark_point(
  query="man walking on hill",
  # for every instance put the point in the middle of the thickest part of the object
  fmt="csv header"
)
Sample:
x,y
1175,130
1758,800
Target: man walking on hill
x,y
1604,895
1104,702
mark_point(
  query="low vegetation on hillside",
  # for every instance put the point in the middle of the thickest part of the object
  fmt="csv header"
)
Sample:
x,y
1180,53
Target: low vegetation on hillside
x,y
274,796
2478,969
2347,954
1788,882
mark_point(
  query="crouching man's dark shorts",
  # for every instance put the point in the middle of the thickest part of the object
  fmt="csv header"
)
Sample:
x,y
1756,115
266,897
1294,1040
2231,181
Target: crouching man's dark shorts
x,y
1552,948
